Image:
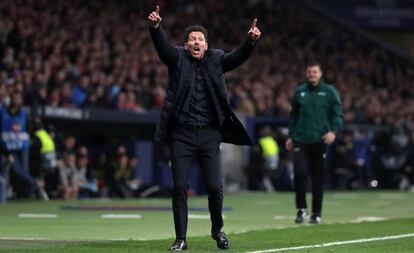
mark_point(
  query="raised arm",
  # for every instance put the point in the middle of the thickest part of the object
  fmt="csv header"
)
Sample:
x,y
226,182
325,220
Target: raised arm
x,y
167,53
237,57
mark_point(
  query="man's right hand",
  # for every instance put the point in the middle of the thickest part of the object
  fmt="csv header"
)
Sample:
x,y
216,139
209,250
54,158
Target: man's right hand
x,y
154,18
289,144
254,32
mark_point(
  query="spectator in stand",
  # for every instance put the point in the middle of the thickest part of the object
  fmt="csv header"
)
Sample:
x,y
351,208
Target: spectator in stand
x,y
80,91
70,177
68,145
87,183
79,61
119,175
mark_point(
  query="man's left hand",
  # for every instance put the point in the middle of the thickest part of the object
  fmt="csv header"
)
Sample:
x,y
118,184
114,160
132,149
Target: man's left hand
x,y
254,32
329,137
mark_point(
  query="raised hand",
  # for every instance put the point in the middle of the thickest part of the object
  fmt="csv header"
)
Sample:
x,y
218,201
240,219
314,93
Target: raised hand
x,y
254,32
154,18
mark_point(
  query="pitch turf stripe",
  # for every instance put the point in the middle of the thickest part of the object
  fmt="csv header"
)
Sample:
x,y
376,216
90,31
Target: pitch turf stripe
x,y
38,215
121,216
385,238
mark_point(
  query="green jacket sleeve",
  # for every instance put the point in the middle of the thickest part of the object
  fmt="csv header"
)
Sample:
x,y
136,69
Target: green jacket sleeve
x,y
336,116
293,117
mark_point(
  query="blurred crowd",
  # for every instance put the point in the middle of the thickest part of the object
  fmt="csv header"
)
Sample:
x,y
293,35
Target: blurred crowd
x,y
360,158
368,158
37,161
59,165
98,54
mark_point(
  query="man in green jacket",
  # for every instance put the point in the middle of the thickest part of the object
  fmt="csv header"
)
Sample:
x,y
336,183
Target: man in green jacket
x,y
315,117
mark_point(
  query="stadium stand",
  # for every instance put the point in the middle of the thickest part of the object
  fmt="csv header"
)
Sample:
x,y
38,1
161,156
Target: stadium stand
x,y
97,54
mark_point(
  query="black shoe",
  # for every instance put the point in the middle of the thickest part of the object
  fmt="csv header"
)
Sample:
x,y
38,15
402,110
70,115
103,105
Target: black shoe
x,y
315,219
221,239
300,216
179,245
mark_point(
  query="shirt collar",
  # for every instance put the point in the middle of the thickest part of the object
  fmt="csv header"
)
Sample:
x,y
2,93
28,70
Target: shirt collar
x,y
310,86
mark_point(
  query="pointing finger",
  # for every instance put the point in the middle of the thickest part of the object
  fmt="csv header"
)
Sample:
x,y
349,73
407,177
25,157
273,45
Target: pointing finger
x,y
157,10
254,23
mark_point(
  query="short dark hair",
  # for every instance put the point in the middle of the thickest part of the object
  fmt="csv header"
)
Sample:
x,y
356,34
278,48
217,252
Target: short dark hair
x,y
195,28
313,64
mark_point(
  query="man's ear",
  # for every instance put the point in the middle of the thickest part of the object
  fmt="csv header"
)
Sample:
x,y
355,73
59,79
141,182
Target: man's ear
x,y
206,45
186,46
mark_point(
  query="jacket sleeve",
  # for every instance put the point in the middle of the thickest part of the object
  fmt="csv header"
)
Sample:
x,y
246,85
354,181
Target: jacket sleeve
x,y
238,56
165,117
293,117
336,117
167,53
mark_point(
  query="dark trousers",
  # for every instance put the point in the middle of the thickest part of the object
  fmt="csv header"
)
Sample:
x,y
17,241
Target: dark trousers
x,y
22,181
309,158
203,144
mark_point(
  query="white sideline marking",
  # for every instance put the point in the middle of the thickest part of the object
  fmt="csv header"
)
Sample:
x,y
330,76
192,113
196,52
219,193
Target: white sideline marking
x,y
368,219
121,216
323,245
23,239
201,216
46,239
37,215
281,217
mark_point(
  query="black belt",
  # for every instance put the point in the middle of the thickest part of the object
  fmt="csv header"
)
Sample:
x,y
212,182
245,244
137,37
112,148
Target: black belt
x,y
196,126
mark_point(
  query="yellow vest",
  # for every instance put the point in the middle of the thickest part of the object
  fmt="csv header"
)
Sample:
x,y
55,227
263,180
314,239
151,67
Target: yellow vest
x,y
269,146
47,143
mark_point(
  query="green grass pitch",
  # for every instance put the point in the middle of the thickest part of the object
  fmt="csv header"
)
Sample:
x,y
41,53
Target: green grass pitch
x,y
256,222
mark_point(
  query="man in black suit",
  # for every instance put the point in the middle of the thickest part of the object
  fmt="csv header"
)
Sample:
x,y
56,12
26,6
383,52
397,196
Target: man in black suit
x,y
196,117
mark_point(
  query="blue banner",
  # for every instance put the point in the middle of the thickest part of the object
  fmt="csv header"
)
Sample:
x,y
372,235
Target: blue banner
x,y
374,14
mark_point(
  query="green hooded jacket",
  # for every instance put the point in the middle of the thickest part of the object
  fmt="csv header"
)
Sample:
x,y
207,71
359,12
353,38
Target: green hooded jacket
x,y
316,110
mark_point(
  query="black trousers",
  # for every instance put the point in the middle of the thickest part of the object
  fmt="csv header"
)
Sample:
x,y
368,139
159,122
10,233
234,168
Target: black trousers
x,y
309,158
203,144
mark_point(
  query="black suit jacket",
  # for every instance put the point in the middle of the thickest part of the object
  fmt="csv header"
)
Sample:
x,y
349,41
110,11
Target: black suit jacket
x,y
181,76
